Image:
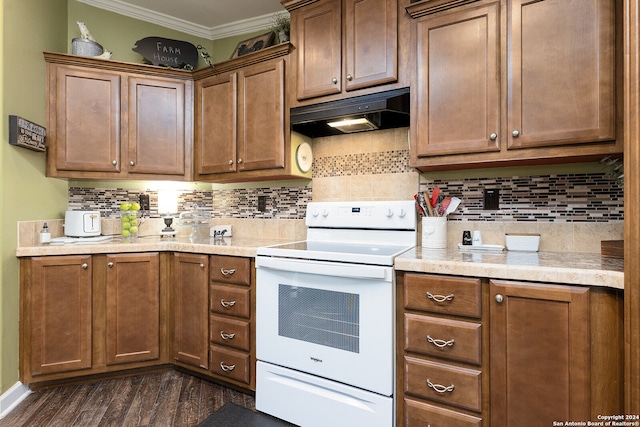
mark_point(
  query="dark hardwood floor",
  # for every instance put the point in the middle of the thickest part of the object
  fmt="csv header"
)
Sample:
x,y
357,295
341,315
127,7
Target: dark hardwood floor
x,y
168,398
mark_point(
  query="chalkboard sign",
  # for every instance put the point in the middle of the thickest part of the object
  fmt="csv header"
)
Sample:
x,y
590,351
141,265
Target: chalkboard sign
x,y
167,52
24,133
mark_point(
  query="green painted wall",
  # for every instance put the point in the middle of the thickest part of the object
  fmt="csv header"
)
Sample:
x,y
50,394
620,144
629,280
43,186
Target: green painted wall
x,y
28,28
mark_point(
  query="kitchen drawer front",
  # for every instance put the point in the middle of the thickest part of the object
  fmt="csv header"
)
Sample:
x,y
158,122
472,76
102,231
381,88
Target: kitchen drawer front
x,y
443,294
423,414
230,269
450,339
231,364
443,383
230,332
230,300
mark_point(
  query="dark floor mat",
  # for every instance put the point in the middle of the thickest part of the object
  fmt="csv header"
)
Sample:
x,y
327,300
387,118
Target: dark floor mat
x,y
232,415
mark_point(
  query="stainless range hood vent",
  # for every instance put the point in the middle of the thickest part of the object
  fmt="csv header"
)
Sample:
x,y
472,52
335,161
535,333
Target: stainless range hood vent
x,y
382,110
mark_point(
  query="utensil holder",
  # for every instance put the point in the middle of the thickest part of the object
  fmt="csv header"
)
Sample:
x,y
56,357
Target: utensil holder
x,y
434,232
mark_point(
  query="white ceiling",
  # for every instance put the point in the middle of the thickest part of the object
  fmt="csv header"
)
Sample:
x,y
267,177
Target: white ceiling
x,y
211,19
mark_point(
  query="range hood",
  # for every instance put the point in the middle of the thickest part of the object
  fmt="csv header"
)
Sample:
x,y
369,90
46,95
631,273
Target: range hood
x,y
382,110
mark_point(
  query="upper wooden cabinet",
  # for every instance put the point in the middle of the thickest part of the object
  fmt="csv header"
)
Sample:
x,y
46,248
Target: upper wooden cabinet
x,y
514,82
242,121
116,120
346,45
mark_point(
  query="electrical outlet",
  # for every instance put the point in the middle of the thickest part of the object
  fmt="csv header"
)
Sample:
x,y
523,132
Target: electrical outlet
x,y
491,199
220,230
144,202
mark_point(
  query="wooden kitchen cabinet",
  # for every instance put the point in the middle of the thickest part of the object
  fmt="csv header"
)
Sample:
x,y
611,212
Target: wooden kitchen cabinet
x,y
242,121
343,46
232,320
482,99
56,320
191,310
133,308
111,120
442,363
555,353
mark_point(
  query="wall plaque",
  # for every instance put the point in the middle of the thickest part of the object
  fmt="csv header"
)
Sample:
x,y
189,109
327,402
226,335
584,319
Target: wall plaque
x,y
24,133
167,52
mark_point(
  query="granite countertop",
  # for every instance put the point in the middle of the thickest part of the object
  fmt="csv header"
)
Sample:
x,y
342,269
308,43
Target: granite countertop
x,y
574,268
551,267
232,246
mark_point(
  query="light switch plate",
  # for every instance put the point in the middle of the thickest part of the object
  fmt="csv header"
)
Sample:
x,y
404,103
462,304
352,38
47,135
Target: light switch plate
x,y
217,229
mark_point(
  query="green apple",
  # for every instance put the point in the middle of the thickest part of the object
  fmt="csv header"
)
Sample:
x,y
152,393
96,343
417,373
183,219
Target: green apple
x,y
135,206
125,206
125,233
133,229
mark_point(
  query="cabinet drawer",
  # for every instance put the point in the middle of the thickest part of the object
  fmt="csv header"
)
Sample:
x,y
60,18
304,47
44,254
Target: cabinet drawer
x,y
451,339
230,300
423,414
230,269
443,383
231,364
230,332
442,294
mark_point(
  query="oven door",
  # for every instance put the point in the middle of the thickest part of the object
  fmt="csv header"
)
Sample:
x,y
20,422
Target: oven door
x,y
334,320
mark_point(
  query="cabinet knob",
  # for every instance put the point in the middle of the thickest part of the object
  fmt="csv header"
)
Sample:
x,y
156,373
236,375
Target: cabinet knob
x,y
349,77
334,81
493,136
114,162
132,163
239,161
499,298
515,133
230,162
110,264
85,266
201,265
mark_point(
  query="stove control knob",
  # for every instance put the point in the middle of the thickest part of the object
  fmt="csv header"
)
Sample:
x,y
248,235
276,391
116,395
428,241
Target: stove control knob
x,y
325,213
402,213
315,213
389,213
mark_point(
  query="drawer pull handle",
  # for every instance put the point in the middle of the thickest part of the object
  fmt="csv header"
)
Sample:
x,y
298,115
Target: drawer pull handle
x,y
439,387
226,336
227,304
227,272
440,343
227,368
440,298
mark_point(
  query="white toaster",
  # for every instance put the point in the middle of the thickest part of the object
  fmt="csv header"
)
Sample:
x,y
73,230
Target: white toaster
x,y
82,223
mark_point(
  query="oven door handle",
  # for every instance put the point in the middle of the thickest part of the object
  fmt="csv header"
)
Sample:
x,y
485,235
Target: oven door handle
x,y
355,271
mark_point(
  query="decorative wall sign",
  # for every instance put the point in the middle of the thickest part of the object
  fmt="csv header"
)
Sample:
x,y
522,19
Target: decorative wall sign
x,y
24,133
167,52
253,44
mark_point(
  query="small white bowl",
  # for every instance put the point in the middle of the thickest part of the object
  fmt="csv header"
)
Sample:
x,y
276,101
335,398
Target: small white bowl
x,y
522,242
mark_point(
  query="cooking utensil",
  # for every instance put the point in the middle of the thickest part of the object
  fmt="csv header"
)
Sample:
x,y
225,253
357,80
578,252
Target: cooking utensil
x,y
434,197
453,205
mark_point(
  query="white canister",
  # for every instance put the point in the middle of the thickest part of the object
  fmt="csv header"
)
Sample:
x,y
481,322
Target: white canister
x,y
434,232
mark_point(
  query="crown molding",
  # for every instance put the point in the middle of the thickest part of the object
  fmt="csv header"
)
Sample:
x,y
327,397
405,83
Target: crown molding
x,y
212,33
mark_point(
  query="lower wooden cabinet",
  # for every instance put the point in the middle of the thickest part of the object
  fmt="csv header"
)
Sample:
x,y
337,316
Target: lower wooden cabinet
x,y
56,314
556,353
485,352
133,308
191,309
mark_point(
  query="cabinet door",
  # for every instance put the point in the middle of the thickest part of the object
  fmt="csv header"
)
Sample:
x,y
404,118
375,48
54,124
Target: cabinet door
x,y
540,363
191,309
216,132
60,314
156,112
561,77
86,120
371,37
133,308
319,42
456,101
261,116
